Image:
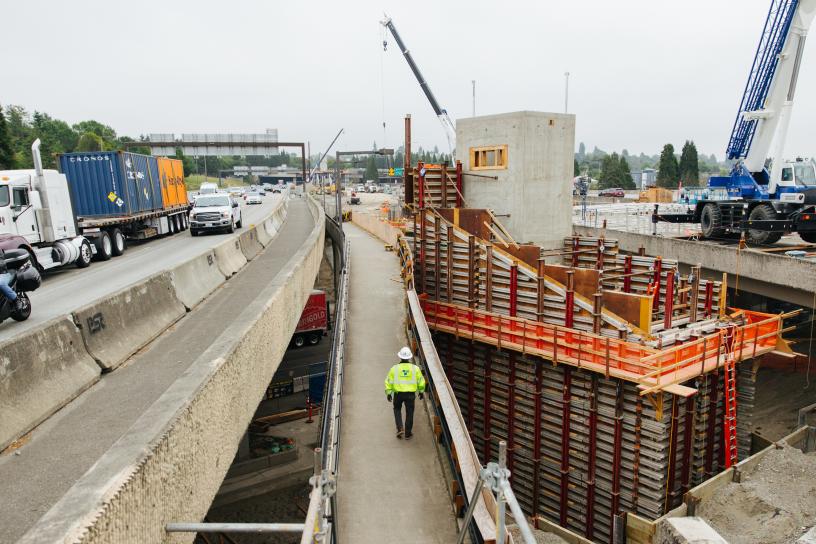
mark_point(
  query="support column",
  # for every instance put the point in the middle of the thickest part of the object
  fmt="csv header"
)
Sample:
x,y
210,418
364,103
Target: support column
x,y
421,178
540,290
444,187
565,443
616,450
570,299
459,186
709,298
488,277
537,437
511,412
422,252
656,280
712,380
688,431
472,271
671,477
668,306
627,271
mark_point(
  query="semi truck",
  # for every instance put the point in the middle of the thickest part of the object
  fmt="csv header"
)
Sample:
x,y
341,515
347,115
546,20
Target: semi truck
x,y
92,206
314,322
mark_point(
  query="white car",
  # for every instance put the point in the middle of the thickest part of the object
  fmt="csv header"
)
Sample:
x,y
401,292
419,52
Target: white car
x,y
253,198
217,211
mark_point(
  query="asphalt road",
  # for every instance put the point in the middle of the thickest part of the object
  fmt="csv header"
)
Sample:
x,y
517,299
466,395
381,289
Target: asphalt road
x,y
67,444
64,290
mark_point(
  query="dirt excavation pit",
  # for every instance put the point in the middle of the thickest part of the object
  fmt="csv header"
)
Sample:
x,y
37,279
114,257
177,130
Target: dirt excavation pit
x,y
775,503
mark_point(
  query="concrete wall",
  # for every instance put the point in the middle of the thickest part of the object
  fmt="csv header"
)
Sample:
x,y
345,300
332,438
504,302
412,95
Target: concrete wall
x,y
171,463
536,187
775,276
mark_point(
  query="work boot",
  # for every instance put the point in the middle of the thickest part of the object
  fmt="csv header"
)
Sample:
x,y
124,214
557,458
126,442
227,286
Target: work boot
x,y
400,433
408,436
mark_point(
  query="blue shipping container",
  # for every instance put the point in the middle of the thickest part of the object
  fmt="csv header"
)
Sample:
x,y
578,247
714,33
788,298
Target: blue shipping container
x,y
112,183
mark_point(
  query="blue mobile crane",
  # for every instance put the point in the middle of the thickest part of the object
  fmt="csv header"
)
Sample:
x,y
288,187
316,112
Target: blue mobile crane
x,y
764,205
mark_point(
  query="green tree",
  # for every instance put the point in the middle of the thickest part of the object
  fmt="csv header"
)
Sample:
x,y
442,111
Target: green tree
x,y
90,142
667,174
55,137
7,161
106,133
581,151
625,175
371,170
689,168
576,170
610,172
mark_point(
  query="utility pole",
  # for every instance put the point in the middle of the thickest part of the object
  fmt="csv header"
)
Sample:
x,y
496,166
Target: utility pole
x,y
566,92
473,83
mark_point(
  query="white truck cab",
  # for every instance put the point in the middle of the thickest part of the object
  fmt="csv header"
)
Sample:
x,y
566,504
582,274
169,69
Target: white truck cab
x,y
36,205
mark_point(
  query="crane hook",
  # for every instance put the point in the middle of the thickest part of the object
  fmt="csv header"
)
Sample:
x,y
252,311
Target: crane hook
x,y
385,45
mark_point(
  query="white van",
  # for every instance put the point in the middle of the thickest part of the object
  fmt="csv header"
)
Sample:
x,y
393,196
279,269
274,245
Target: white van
x,y
208,188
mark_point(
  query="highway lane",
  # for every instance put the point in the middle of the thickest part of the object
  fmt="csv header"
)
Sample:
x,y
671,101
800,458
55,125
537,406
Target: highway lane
x,y
65,290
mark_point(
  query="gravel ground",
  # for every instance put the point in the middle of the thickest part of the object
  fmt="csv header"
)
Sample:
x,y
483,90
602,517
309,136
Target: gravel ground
x,y
774,504
540,536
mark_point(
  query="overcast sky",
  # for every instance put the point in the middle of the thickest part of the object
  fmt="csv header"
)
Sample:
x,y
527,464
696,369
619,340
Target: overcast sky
x,y
643,72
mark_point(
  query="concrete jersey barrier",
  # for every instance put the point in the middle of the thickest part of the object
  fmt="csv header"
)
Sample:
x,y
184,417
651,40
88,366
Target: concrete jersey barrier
x,y
118,325
40,372
250,245
171,463
229,257
195,279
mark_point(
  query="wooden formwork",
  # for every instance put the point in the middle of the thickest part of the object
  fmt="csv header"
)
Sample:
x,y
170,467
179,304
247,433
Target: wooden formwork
x,y
434,186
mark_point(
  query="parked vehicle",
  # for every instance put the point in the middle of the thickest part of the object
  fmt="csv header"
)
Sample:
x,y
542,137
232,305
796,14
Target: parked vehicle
x,y
91,207
236,191
24,278
215,212
615,192
253,198
354,199
268,187
314,322
208,188
361,189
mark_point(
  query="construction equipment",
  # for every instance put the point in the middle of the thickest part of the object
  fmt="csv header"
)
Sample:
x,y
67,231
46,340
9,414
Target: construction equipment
x,y
441,114
764,205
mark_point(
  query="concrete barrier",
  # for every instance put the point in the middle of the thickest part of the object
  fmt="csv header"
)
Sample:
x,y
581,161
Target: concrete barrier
x,y
250,245
229,257
263,235
120,324
40,372
195,279
171,463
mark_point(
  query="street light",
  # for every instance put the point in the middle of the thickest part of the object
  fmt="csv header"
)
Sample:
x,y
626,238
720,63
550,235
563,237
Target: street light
x,y
338,201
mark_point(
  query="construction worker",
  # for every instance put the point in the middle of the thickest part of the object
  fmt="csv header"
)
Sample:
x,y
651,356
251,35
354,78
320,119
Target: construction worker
x,y
403,382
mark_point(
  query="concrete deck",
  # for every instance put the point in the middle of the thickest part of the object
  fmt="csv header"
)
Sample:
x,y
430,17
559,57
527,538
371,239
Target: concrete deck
x,y
389,490
71,442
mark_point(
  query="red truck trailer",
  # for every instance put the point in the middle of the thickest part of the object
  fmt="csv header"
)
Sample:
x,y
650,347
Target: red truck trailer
x,y
314,323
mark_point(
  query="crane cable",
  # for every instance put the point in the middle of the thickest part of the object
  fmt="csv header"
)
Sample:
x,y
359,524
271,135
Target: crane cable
x,y
384,36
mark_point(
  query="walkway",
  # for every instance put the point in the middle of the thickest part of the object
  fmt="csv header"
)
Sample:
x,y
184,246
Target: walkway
x,y
69,443
389,490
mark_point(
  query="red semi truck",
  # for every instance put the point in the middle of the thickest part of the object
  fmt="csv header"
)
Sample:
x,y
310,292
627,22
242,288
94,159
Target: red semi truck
x,y
314,322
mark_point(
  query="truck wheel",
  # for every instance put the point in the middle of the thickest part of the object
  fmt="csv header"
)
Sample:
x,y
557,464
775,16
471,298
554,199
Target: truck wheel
x,y
298,341
314,339
238,225
193,232
104,247
118,239
809,237
231,227
85,255
711,221
763,212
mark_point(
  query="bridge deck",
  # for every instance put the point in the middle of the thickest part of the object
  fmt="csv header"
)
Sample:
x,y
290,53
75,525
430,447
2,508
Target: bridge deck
x,y
389,490
67,445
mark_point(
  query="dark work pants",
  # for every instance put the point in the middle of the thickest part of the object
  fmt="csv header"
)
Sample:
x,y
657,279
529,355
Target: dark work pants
x,y
408,400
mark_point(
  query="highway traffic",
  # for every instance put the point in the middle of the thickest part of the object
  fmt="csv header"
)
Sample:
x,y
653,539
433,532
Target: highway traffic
x,y
67,289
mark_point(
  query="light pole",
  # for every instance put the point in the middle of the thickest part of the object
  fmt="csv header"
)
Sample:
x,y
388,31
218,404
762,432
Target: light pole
x,y
566,92
337,185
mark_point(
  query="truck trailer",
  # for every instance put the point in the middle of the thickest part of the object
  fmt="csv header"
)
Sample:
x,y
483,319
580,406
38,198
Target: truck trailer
x,y
93,205
314,323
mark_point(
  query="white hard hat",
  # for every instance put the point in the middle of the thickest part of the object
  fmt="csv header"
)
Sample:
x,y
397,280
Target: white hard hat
x,y
405,354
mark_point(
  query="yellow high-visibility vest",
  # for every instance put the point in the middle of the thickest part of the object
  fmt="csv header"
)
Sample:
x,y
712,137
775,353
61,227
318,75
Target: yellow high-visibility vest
x,y
404,378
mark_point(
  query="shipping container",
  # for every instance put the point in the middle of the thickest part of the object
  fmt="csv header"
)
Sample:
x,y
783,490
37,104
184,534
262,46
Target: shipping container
x,y
171,176
112,183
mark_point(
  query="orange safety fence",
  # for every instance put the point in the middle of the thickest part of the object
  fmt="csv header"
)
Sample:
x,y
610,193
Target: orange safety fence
x,y
652,368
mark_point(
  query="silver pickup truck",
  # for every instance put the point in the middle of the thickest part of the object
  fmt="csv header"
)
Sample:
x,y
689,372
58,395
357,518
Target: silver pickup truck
x,y
217,211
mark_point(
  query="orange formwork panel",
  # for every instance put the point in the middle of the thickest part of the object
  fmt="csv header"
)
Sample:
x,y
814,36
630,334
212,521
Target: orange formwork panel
x,y
171,175
653,369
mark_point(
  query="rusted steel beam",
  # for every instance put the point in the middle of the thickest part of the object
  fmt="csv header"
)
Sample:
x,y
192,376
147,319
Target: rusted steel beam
x,y
540,290
537,436
671,476
656,280
565,443
444,182
421,178
668,306
688,430
599,260
570,299
627,270
709,299
593,443
488,396
616,451
513,289
460,189
423,263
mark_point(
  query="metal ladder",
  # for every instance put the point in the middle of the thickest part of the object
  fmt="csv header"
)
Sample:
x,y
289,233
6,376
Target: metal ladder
x,y
730,416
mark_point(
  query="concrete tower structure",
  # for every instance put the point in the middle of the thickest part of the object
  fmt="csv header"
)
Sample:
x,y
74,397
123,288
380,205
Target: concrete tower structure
x,y
530,152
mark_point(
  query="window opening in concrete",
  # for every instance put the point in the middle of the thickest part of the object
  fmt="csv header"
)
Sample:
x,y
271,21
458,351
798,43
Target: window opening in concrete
x,y
488,158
